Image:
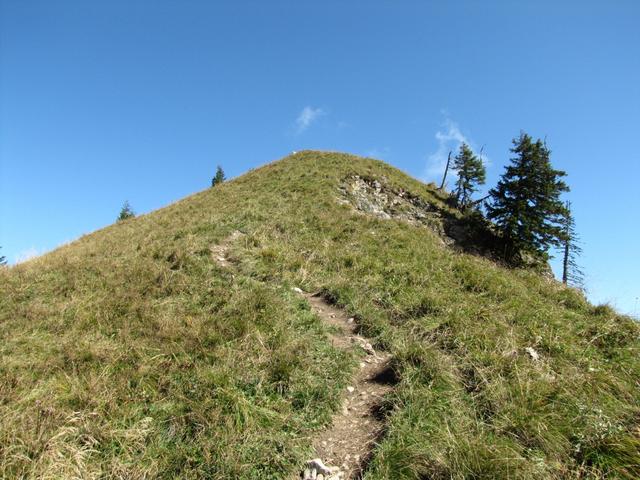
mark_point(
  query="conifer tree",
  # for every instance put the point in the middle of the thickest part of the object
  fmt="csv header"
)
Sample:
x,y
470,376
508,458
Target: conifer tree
x,y
219,177
126,212
571,272
471,173
526,205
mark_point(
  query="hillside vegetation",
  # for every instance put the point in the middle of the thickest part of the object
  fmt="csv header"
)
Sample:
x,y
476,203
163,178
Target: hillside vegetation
x,y
130,353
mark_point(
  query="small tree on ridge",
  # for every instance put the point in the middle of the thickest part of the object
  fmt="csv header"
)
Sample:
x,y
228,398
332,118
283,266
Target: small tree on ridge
x,y
219,177
126,212
571,272
471,173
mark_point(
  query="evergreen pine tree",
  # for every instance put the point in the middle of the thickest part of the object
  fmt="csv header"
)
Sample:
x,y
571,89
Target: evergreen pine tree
x,y
471,173
571,272
219,177
126,212
526,205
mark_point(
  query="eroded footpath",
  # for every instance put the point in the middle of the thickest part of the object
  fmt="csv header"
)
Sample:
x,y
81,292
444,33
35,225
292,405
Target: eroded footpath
x,y
344,448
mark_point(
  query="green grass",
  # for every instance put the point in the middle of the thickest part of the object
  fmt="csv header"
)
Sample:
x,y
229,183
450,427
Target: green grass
x,y
130,354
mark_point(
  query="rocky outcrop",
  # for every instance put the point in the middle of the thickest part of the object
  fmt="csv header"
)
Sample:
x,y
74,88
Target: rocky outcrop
x,y
375,197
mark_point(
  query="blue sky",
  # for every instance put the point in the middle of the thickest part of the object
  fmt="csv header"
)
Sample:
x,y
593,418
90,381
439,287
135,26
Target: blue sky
x,y
139,100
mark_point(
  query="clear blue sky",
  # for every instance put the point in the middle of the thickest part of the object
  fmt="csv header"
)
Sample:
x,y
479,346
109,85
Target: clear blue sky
x,y
102,101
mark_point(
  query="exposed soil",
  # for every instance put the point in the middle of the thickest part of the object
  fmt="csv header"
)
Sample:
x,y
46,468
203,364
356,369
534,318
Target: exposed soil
x,y
349,441
219,251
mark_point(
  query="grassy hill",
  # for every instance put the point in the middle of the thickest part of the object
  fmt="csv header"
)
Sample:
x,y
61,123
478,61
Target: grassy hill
x,y
131,353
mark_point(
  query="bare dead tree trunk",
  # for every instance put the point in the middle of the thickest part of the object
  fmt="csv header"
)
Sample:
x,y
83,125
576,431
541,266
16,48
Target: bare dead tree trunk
x,y
476,202
570,270
565,263
446,170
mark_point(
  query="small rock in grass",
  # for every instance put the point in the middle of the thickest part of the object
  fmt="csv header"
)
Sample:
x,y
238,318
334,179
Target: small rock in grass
x,y
533,354
318,467
366,346
297,290
350,389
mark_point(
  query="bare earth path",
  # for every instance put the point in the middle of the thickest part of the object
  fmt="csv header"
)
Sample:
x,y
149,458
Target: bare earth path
x,y
349,441
343,449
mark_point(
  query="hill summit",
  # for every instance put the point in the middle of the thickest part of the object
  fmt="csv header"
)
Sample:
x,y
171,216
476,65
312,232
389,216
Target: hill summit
x,y
324,305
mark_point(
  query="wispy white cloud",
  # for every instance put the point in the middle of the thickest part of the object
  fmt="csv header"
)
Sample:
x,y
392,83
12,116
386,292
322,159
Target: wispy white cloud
x,y
449,138
307,116
27,254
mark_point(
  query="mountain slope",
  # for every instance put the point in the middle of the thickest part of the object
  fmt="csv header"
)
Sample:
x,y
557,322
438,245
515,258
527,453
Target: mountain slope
x,y
133,353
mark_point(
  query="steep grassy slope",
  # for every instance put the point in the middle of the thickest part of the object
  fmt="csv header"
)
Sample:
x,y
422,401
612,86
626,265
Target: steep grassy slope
x,y
130,353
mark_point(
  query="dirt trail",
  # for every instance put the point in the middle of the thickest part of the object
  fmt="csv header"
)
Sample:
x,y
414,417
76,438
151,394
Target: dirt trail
x,y
219,251
349,441
344,448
